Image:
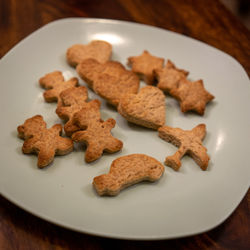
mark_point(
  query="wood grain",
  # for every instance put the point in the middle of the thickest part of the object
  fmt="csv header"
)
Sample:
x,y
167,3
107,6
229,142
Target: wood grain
x,y
214,25
208,21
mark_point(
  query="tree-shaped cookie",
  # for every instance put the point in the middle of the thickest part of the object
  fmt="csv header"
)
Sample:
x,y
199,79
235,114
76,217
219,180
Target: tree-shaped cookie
x,y
147,108
189,142
144,65
126,171
96,49
169,76
98,138
45,142
192,96
72,100
54,83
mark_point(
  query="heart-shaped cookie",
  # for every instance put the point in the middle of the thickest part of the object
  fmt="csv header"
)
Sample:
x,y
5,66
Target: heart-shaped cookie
x,y
147,108
113,88
110,80
97,49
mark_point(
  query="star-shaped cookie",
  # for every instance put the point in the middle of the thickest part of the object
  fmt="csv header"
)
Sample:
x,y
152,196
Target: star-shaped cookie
x,y
192,96
189,142
169,76
144,65
45,142
98,138
54,83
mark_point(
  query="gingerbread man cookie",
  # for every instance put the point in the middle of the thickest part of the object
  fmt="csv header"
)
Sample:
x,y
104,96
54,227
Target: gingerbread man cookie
x,y
88,114
98,138
72,100
45,142
54,83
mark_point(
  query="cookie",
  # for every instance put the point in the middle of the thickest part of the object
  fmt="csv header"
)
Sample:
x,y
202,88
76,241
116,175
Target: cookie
x,y
126,171
169,76
97,49
90,69
126,83
88,114
72,100
192,96
98,138
108,76
45,142
54,83
147,108
189,142
144,65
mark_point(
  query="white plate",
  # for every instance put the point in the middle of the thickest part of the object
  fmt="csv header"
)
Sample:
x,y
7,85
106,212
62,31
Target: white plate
x,y
180,203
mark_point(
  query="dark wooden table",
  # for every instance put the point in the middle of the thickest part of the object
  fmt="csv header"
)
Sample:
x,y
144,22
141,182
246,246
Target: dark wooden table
x,y
208,21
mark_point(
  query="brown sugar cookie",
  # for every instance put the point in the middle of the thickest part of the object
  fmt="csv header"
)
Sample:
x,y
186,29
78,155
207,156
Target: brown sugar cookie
x,y
97,49
113,89
110,80
189,142
54,83
192,96
90,69
72,100
98,138
169,76
45,142
147,108
126,171
144,65
88,114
